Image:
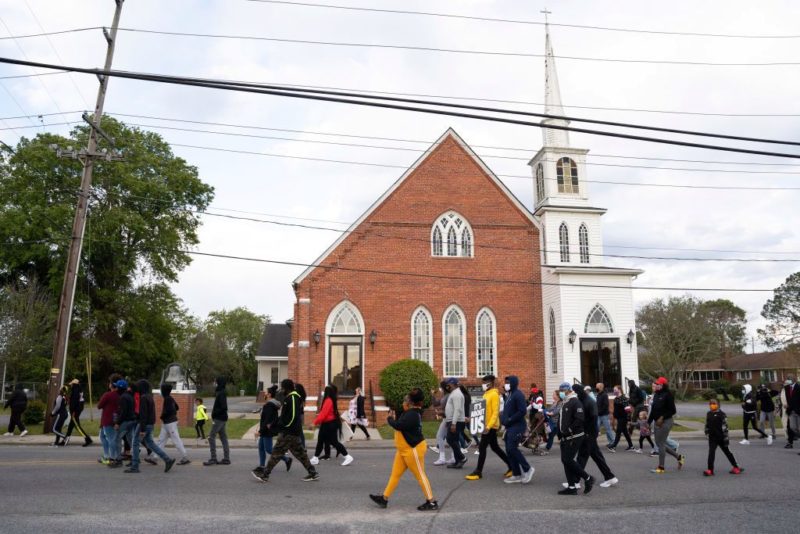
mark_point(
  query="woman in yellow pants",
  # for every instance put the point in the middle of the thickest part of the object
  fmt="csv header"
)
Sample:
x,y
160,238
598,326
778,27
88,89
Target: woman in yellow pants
x,y
410,453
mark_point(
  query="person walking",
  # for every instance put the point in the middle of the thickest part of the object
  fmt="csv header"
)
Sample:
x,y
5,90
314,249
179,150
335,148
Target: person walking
x,y
589,447
571,420
764,398
491,424
441,433
329,427
169,425
662,409
357,415
622,410
793,410
267,428
552,414
200,418
749,417
18,402
717,431
303,395
603,413
410,454
60,413
513,418
108,405
143,432
455,417
636,398
787,392
125,421
289,431
219,418
76,404
644,433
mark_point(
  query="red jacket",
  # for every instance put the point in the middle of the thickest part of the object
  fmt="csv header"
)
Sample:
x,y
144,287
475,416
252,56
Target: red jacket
x,y
109,403
326,414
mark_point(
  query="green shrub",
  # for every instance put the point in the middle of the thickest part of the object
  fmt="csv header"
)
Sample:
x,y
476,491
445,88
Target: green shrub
x,y
400,377
34,414
735,391
708,394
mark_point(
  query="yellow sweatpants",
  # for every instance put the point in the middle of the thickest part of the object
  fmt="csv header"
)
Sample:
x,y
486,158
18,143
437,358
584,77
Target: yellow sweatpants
x,y
413,459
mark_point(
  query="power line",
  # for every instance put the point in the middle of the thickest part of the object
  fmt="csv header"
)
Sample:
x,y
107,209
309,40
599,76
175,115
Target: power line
x,y
47,34
458,50
36,75
527,22
43,125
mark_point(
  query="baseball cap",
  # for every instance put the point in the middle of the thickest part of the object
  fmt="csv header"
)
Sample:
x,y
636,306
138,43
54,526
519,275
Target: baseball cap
x,y
121,383
565,386
661,381
452,380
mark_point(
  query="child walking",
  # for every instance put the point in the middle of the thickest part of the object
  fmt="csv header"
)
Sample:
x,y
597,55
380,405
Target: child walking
x,y
644,431
200,418
717,431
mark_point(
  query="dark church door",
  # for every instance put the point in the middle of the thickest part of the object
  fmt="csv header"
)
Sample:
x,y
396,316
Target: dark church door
x,y
600,362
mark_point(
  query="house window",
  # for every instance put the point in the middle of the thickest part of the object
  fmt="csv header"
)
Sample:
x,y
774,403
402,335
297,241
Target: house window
x,y
567,176
563,241
768,375
553,347
583,241
744,375
458,233
539,183
421,335
487,349
454,334
598,321
704,379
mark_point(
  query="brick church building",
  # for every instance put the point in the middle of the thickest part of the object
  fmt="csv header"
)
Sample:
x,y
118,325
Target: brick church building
x,y
450,268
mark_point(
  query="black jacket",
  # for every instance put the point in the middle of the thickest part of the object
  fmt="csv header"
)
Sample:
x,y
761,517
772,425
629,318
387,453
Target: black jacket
x,y
18,401
291,415
749,403
410,425
794,400
269,416
635,394
764,396
220,410
125,408
589,415
169,410
360,411
76,401
570,418
147,407
602,403
663,405
717,427
620,402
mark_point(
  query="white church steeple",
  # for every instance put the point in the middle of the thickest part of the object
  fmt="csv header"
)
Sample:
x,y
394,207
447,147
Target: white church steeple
x,y
552,98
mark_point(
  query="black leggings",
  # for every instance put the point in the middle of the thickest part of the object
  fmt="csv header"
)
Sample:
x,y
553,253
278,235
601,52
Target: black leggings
x,y
490,440
750,419
622,430
198,427
362,427
650,441
712,449
329,434
74,423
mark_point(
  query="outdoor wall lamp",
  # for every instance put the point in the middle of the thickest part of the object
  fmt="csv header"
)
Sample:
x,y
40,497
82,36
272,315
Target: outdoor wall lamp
x,y
572,337
317,337
630,337
372,337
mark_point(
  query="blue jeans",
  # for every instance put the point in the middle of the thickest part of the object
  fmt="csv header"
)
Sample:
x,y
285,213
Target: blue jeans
x,y
515,457
265,449
125,429
147,439
603,420
107,439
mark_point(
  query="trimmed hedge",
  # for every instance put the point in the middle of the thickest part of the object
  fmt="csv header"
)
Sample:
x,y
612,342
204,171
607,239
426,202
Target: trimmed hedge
x,y
398,378
34,413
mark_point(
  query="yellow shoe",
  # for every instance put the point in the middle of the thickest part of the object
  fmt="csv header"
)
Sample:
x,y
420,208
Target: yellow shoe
x,y
474,476
509,474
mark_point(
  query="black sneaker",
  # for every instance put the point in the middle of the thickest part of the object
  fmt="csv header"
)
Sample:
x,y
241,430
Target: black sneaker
x,y
568,491
184,461
87,442
224,461
131,470
380,500
587,487
168,464
611,449
288,464
212,461
150,461
311,477
258,474
428,506
457,465
788,446
115,463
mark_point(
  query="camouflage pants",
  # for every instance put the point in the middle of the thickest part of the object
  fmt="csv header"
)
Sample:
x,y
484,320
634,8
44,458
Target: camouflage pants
x,y
292,444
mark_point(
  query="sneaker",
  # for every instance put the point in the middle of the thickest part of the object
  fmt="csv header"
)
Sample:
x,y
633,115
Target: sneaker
x,y
631,448
380,500
568,491
150,461
658,471
258,474
637,450
610,482
611,449
8,434
736,471
348,460
457,465
508,474
769,440
115,463
288,464
708,473
87,442
477,453
212,461
434,448
566,485
131,470
744,442
589,484
440,462
428,506
681,461
184,461
311,477
225,461
168,464
513,479
314,460
23,433
787,446
474,476
528,475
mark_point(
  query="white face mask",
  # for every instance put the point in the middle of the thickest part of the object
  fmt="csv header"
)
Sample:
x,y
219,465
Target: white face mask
x,y
485,387
507,387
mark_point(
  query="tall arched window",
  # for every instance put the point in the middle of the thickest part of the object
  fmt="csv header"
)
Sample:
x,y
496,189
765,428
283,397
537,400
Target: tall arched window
x,y
553,346
583,241
345,320
563,242
458,234
454,335
567,176
421,335
486,328
539,183
598,321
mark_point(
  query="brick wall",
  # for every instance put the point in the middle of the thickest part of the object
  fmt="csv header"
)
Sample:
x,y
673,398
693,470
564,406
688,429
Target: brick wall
x,y
186,408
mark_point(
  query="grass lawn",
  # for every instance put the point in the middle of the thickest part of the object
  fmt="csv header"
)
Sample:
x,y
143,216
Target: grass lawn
x,y
429,429
735,422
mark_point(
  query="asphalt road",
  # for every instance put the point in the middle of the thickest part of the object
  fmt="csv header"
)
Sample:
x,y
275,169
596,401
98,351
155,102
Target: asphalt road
x,y
45,489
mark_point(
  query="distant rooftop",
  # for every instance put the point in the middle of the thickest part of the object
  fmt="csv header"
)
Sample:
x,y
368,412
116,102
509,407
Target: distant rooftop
x,y
275,340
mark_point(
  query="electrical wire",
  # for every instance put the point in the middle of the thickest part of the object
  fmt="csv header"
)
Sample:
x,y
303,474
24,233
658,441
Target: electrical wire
x,y
47,34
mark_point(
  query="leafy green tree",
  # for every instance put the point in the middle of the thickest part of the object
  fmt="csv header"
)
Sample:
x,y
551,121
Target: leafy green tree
x,y
730,323
782,313
25,329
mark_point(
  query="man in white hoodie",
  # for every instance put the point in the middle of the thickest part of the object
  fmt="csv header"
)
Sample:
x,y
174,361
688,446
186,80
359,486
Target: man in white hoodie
x,y
455,418
749,414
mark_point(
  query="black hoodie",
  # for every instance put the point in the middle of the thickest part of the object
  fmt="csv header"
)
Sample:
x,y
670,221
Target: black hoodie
x,y
125,408
169,410
663,405
220,410
147,407
717,427
269,418
76,401
18,400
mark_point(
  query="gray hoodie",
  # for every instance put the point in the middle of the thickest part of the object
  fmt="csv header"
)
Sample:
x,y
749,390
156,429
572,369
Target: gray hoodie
x,y
454,409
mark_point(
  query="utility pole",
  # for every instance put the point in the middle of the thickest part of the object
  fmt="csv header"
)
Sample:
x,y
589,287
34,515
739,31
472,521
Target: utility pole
x,y
88,157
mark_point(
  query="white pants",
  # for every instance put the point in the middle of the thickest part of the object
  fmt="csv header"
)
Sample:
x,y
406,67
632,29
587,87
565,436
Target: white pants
x,y
170,431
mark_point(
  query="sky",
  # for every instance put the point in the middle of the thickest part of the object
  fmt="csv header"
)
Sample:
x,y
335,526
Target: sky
x,y
757,101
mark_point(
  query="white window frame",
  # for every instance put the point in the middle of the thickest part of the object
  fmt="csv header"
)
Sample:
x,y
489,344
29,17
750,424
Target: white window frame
x,y
414,348
744,375
478,371
460,312
464,248
583,242
345,304
553,342
539,183
769,375
563,241
604,312
568,184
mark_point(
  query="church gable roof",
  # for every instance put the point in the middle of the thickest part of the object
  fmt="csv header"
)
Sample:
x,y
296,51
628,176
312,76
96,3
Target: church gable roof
x,y
449,134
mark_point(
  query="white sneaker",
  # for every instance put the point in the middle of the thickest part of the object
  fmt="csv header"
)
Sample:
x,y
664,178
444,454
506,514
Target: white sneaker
x,y
440,462
513,480
464,451
566,485
769,440
528,475
314,460
434,449
610,482
744,442
23,433
348,460
477,453
8,434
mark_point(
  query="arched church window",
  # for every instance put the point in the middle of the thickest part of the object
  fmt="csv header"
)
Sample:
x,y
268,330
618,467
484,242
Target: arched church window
x,y
553,346
458,234
345,320
421,335
583,241
598,321
487,338
567,175
539,183
563,242
454,336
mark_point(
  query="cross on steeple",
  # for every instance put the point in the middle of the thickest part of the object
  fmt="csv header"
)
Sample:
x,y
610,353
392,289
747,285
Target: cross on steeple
x,y
546,12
